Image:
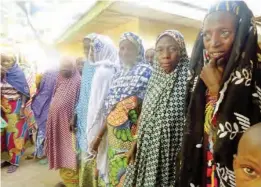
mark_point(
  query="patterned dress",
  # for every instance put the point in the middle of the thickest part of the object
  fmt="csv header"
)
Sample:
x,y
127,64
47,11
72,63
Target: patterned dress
x,y
161,125
15,135
82,106
40,106
127,92
60,142
122,125
210,177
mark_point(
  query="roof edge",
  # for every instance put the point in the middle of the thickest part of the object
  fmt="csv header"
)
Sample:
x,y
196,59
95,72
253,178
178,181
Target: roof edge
x,y
94,11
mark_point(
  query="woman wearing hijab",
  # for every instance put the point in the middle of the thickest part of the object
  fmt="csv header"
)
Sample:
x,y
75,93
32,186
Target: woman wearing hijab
x,y
14,94
224,97
40,106
60,138
83,102
162,118
103,55
80,117
122,106
30,76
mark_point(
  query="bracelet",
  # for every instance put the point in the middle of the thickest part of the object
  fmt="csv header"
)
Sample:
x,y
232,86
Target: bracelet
x,y
135,137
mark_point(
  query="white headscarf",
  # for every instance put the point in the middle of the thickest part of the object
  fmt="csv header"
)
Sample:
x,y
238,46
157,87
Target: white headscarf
x,y
106,61
104,51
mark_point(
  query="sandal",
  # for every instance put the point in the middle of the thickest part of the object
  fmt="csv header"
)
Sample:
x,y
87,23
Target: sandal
x,y
12,169
60,184
4,164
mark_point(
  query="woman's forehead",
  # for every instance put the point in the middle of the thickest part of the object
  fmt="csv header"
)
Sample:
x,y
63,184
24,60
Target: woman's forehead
x,y
127,43
166,40
219,18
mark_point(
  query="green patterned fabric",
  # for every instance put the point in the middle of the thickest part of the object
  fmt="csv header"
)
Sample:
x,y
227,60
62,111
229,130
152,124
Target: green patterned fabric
x,y
88,176
121,123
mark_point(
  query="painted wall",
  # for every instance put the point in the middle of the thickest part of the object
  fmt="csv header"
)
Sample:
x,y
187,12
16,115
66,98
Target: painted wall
x,y
76,48
115,33
72,49
149,30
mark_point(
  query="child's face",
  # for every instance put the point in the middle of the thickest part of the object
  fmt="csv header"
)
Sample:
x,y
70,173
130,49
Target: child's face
x,y
247,164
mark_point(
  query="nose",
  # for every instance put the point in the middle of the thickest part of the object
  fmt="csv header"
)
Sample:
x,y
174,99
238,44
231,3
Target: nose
x,y
215,40
165,53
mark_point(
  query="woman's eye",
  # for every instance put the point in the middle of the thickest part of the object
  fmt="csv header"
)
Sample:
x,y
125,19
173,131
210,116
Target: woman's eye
x,y
249,171
173,49
159,50
206,36
224,34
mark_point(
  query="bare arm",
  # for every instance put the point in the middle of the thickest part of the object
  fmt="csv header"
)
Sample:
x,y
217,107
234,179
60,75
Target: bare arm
x,y
24,100
102,131
97,140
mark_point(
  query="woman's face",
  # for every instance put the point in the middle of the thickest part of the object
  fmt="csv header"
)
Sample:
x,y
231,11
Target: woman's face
x,y
7,61
149,56
66,68
219,32
167,53
128,52
91,56
86,47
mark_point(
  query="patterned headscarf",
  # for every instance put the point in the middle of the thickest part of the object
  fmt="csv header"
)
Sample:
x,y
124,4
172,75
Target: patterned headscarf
x,y
136,40
161,123
232,114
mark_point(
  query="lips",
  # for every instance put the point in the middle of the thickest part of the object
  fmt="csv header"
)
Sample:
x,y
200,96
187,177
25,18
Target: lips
x,y
216,54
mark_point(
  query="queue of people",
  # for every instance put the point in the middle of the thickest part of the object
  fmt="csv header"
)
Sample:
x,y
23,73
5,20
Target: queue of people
x,y
130,118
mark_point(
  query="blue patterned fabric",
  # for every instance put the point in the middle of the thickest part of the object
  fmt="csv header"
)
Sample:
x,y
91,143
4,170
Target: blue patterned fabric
x,y
131,82
128,83
82,106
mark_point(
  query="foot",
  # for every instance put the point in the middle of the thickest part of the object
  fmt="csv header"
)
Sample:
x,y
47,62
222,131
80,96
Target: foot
x,y
4,164
30,157
60,184
43,161
12,169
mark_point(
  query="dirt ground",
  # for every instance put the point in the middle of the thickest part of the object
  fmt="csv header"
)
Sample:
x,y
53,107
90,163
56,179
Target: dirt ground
x,y
30,174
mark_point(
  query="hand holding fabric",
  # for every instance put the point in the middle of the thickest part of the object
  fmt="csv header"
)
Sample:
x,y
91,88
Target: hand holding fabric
x,y
132,153
73,127
95,144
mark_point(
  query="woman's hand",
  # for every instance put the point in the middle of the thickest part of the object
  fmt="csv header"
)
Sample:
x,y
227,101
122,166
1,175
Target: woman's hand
x,y
22,115
132,153
95,144
212,74
73,127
